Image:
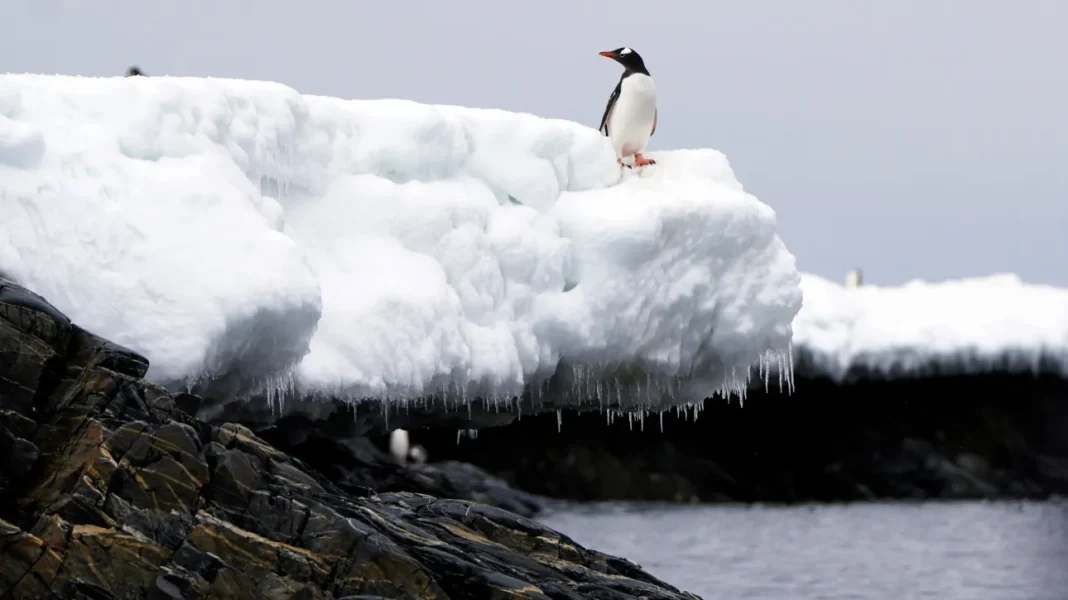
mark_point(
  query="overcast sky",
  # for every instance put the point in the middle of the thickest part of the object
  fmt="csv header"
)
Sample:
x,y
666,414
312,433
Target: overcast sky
x,y
913,138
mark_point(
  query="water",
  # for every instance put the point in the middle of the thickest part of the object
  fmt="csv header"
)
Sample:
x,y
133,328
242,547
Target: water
x,y
959,551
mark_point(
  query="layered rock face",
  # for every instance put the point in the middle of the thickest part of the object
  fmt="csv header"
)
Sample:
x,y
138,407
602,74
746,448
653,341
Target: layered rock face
x,y
109,489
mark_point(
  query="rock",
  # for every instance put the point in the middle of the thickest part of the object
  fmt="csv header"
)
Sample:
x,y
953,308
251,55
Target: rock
x,y
33,337
111,491
987,436
356,464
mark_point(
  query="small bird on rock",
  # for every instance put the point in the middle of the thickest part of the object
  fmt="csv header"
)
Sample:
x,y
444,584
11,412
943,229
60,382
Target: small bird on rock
x,y
630,118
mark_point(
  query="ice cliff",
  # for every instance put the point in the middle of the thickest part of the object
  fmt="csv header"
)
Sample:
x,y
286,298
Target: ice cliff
x,y
244,236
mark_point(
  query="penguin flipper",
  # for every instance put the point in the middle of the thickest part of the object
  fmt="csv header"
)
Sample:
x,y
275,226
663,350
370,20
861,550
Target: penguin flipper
x,y
608,108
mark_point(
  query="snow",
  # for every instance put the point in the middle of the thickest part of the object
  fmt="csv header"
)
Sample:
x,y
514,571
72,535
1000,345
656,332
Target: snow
x,y
244,236
957,326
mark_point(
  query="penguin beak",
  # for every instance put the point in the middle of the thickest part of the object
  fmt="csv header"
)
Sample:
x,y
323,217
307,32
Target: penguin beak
x,y
609,54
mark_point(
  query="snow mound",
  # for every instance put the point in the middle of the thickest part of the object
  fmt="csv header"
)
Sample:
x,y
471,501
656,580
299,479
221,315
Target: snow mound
x,y
958,326
241,235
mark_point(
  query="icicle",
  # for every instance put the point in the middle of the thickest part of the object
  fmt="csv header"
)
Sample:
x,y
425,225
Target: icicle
x,y
790,349
779,364
765,368
559,420
661,421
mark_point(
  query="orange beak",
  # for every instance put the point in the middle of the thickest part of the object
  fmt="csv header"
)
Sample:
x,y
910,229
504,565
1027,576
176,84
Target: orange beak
x,y
608,54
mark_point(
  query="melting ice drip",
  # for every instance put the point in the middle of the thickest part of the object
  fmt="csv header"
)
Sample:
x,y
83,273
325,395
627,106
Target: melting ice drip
x,y
589,390
612,397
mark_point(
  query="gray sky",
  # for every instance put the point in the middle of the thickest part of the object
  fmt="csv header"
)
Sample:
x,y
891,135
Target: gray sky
x,y
914,138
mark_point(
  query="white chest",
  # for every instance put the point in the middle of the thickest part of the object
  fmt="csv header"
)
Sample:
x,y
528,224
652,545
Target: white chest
x,y
637,99
631,121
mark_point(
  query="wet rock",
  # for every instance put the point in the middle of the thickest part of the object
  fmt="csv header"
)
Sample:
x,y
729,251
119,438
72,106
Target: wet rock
x,y
356,464
111,490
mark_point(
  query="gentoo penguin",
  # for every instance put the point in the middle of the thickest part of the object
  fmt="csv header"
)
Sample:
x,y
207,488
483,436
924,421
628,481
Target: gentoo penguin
x,y
402,451
854,278
134,71
399,445
418,454
630,118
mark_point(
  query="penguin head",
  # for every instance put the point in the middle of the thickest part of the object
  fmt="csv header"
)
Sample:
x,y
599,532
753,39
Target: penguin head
x,y
631,60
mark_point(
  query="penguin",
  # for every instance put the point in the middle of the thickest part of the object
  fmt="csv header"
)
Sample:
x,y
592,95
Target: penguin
x,y
135,71
418,454
854,278
630,117
399,445
401,449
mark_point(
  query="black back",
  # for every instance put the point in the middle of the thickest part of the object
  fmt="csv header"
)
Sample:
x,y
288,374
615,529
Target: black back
x,y
608,108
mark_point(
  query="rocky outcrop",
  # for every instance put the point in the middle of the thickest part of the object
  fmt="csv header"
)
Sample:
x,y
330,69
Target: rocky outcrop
x,y
109,489
354,462
934,437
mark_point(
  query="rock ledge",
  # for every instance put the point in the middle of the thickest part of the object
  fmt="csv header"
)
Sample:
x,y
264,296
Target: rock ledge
x,y
108,489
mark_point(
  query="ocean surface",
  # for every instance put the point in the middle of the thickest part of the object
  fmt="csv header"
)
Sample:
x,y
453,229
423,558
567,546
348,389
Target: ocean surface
x,y
891,551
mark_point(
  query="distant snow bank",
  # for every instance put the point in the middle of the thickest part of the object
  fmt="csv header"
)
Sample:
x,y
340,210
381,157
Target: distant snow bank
x,y
240,234
958,326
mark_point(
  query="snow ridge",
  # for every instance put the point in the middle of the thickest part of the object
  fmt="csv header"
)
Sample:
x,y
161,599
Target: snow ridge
x,y
974,325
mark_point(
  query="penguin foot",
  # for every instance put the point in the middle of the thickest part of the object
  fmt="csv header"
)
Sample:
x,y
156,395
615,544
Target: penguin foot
x,y
641,161
620,161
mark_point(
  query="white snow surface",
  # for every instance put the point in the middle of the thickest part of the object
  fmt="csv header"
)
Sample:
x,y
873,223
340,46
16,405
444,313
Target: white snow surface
x,y
242,233
957,326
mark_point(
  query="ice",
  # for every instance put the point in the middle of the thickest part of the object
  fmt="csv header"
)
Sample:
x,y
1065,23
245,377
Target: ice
x,y
242,235
957,326
131,209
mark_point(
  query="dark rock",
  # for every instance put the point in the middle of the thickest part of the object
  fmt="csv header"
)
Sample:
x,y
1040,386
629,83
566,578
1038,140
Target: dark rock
x,y
33,339
111,491
95,350
17,454
356,464
187,403
986,436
